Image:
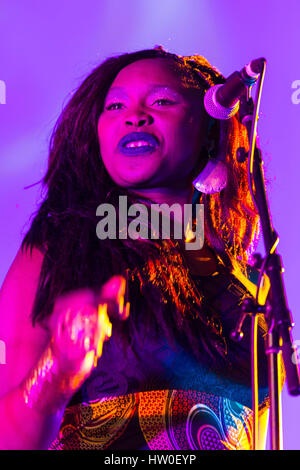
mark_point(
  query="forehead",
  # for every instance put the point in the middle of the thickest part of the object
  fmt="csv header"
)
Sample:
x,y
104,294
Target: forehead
x,y
158,71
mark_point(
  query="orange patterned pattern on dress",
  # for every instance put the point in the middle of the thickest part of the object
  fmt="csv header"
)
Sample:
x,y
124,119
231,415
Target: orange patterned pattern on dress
x,y
166,419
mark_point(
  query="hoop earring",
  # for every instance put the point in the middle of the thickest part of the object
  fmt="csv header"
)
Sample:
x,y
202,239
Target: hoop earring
x,y
213,178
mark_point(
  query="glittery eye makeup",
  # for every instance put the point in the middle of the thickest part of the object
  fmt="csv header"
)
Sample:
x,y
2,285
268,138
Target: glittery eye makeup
x,y
163,92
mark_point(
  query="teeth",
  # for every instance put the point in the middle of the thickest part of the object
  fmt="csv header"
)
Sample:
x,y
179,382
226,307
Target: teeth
x,y
140,143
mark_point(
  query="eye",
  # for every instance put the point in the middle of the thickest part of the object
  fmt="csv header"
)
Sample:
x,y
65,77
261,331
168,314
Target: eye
x,y
113,107
109,108
164,100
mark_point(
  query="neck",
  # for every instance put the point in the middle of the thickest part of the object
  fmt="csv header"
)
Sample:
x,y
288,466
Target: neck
x,y
166,195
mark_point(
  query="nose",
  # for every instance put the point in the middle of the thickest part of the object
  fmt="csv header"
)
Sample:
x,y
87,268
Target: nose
x,y
139,119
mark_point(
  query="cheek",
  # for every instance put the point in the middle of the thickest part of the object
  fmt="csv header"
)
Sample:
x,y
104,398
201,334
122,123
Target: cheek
x,y
197,131
189,135
104,148
189,142
103,129
105,141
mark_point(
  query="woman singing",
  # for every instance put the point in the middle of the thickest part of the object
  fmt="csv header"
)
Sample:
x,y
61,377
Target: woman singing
x,y
119,342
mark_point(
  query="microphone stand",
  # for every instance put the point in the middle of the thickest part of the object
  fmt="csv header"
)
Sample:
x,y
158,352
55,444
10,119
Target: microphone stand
x,y
278,317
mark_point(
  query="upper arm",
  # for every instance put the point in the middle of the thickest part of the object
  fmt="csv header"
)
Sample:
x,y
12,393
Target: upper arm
x,y
22,343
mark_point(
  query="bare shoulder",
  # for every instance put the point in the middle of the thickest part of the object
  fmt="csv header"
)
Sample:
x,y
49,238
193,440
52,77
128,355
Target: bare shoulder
x,y
22,343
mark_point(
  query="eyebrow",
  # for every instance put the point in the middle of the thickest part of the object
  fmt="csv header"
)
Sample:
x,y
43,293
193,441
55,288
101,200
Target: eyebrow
x,y
153,87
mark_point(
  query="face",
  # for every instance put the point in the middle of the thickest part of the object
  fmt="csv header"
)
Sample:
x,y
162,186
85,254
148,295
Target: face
x,y
150,96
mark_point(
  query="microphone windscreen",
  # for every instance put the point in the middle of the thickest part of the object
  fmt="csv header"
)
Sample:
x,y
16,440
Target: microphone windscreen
x,y
215,109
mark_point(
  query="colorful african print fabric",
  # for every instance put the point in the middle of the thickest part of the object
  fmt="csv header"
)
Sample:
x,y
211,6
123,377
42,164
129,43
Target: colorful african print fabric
x,y
157,420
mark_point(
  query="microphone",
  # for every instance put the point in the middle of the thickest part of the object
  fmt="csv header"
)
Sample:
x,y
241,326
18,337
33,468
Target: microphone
x,y
222,101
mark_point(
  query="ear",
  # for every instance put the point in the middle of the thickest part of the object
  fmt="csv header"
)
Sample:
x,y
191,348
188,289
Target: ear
x,y
201,162
224,126
213,136
217,138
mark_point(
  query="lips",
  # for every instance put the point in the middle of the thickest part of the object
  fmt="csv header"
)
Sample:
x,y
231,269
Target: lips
x,y
150,139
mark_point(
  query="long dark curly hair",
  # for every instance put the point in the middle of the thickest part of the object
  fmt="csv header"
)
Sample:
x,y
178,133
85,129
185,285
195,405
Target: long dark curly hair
x,y
76,182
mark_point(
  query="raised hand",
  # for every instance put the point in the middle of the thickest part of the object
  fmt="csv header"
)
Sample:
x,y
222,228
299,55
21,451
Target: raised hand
x,y
80,325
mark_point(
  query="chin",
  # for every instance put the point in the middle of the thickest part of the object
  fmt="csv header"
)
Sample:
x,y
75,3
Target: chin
x,y
138,180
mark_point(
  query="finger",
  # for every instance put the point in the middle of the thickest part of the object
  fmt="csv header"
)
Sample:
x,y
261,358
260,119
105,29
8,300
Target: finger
x,y
114,288
67,305
124,309
104,330
113,294
103,321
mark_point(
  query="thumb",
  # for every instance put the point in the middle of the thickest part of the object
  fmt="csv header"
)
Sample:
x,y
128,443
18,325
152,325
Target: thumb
x,y
113,292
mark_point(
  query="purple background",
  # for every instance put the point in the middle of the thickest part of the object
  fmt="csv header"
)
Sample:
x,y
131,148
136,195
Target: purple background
x,y
47,48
